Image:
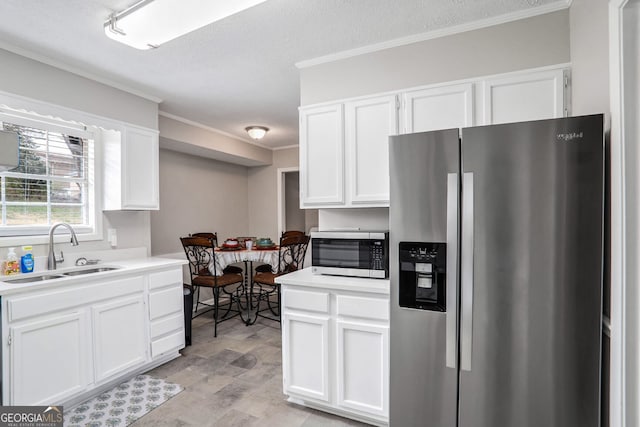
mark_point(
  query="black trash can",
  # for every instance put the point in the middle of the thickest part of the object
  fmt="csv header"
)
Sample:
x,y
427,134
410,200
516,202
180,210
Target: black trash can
x,y
188,309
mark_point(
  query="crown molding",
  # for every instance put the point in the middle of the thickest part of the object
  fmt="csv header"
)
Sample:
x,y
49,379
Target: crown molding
x,y
430,35
77,71
210,129
285,147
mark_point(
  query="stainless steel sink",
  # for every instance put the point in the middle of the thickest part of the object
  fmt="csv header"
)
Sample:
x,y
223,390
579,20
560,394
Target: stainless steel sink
x,y
42,277
89,271
35,278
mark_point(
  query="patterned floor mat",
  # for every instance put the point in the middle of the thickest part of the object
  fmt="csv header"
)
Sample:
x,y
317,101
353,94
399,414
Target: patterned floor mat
x,y
123,404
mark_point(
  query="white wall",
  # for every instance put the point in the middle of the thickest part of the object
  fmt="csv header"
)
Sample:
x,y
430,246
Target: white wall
x,y
364,219
198,195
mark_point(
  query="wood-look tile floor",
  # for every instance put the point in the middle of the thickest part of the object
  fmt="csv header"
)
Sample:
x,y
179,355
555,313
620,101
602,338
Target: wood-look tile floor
x,y
232,380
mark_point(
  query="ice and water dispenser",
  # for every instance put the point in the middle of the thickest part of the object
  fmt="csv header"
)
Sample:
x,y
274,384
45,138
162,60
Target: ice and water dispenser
x,y
423,275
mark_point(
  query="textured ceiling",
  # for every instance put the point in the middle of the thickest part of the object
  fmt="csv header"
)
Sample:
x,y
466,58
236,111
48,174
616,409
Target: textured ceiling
x,y
238,71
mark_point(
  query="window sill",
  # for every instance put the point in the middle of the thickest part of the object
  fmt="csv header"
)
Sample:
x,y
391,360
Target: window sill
x,y
43,239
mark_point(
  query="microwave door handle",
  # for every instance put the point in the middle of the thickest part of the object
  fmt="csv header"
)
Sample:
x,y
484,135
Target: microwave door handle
x,y
452,270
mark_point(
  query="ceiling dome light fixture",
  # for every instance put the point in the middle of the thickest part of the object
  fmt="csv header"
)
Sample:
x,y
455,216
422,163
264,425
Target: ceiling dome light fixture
x,y
257,132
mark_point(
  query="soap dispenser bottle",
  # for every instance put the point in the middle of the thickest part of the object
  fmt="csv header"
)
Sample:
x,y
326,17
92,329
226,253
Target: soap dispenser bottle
x,y
26,261
11,265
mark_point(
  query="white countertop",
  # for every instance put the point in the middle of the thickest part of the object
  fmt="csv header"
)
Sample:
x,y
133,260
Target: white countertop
x,y
124,267
356,284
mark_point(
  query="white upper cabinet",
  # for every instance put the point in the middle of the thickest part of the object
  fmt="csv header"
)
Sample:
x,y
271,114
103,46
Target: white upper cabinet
x,y
344,151
131,169
368,124
442,107
522,97
322,156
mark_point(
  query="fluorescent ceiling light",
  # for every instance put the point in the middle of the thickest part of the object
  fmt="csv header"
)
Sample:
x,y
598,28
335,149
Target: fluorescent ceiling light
x,y
149,23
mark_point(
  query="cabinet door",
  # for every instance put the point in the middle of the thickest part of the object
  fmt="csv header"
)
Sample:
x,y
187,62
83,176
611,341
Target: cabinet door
x,y
368,124
305,355
531,96
443,107
119,333
140,169
363,367
322,156
50,359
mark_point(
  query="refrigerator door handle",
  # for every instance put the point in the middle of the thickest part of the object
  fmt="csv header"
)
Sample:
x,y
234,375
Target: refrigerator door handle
x,y
466,287
452,270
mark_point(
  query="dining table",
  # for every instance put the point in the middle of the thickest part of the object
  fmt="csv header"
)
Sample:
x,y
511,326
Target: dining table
x,y
225,256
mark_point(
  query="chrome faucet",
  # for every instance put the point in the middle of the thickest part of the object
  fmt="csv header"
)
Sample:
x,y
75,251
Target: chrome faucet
x,y
52,260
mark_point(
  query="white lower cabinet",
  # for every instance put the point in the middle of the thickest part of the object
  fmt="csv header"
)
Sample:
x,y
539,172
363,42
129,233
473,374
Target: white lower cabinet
x,y
166,312
306,365
66,342
335,351
119,336
363,349
49,359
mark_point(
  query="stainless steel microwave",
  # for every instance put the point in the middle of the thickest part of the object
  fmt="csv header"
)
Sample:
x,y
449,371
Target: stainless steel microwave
x,y
350,253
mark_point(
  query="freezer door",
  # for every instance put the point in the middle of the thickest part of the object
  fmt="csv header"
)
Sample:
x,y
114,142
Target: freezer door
x,y
531,274
424,208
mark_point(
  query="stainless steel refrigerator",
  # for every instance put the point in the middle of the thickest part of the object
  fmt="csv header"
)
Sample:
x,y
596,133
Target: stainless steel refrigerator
x,y
496,247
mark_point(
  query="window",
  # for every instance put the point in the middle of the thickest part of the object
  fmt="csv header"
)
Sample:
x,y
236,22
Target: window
x,y
53,181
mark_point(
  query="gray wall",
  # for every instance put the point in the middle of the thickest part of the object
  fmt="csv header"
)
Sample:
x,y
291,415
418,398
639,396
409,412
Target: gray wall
x,y
201,141
33,79
26,77
528,43
590,93
198,194
589,37
295,217
263,193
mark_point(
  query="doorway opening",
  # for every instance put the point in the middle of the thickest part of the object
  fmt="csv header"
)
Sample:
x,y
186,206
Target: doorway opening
x,y
290,216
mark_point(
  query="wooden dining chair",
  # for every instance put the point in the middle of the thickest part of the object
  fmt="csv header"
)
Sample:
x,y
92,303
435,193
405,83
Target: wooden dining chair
x,y
200,252
290,258
227,269
289,233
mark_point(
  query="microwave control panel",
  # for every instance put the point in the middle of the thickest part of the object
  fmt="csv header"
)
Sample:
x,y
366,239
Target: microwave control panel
x,y
423,275
377,255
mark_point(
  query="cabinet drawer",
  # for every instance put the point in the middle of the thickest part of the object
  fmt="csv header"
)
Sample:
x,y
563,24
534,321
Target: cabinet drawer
x,y
366,308
164,326
170,342
305,300
165,301
165,278
46,302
